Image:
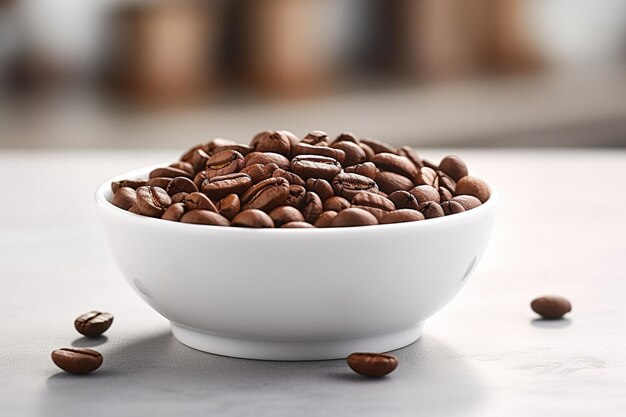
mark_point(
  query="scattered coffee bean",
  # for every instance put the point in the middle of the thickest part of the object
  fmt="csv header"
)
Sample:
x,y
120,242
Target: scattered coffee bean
x,y
93,324
372,364
551,306
77,360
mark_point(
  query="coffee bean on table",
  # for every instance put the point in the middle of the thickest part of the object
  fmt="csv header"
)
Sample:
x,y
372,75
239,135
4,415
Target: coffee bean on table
x,y
325,219
473,186
266,195
77,360
313,207
401,216
353,217
174,212
181,185
205,217
223,163
229,206
199,201
372,364
403,200
285,214
152,201
320,187
315,166
219,187
125,198
336,204
551,306
454,167
388,182
93,324
253,218
348,185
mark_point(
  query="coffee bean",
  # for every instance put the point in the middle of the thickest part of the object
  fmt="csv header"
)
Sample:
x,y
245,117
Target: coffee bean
x,y
161,182
325,219
444,194
229,206
393,163
205,217
403,200
219,187
174,212
169,172
285,214
376,212
179,198
452,207
427,176
259,137
431,210
135,210
551,306
77,360
188,155
223,163
241,148
347,137
184,166
378,146
369,152
372,364
214,144
467,201
93,324
199,160
473,186
373,200
313,207
268,158
297,225
266,195
353,217
446,182
253,218
354,153
425,193
454,167
199,201
152,201
294,179
320,187
348,185
315,137
306,149
134,184
276,142
296,197
388,182
401,216
199,179
181,185
293,138
315,166
412,155
125,198
259,172
367,169
336,204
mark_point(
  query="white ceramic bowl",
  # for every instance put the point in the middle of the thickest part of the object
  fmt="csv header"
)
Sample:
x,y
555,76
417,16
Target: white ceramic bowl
x,y
295,294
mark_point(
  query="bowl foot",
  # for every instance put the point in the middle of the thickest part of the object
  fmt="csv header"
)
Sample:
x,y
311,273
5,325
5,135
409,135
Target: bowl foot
x,y
293,351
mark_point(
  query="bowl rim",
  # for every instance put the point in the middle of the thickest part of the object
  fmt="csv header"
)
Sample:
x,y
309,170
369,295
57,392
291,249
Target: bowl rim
x,y
105,204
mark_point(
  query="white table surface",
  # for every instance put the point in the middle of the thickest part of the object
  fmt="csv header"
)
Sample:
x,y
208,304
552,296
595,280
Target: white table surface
x,y
561,229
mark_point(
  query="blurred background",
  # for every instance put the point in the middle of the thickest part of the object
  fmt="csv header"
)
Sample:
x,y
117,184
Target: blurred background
x,y
445,73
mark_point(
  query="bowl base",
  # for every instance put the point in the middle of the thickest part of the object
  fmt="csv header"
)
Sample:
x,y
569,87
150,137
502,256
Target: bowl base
x,y
294,351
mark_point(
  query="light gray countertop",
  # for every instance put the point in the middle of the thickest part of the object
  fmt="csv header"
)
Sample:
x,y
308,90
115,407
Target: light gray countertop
x,y
561,229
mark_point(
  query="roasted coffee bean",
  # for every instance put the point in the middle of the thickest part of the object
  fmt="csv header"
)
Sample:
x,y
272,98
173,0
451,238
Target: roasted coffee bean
x,y
161,182
427,176
551,306
125,198
444,194
276,142
369,152
297,225
134,184
181,185
199,160
467,201
219,187
77,360
379,146
315,166
473,186
260,172
336,204
353,217
320,187
454,167
179,197
188,155
376,212
205,217
325,219
373,200
268,158
294,179
217,143
241,148
296,197
306,149
169,172
135,210
401,216
412,155
293,138
403,200
372,364
393,163
348,185
152,201
313,207
388,182
367,169
199,201
285,214
452,207
185,166
259,137
174,212
199,179
223,163
425,193
446,182
315,137
266,195
354,153
93,324
431,210
347,137
429,164
229,206
253,218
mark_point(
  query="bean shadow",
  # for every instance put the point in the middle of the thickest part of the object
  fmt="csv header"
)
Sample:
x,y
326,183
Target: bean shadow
x,y
156,375
551,323
88,342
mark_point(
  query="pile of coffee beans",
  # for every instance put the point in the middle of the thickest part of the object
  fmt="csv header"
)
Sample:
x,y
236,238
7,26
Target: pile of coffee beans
x,y
281,180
